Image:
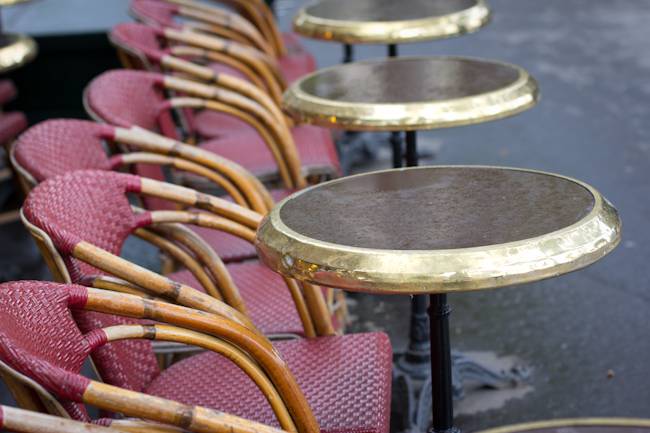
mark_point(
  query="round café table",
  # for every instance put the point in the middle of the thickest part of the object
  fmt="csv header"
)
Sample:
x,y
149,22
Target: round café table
x,y
389,22
578,425
409,94
438,230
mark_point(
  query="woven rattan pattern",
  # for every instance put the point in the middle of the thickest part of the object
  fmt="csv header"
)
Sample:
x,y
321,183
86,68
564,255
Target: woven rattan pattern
x,y
154,10
60,145
127,98
11,124
37,326
92,206
296,65
314,145
346,380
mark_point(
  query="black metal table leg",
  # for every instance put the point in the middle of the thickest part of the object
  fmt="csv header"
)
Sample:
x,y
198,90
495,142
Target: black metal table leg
x,y
348,55
441,391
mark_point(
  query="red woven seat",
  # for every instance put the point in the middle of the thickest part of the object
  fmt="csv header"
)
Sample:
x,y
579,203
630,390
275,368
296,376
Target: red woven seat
x,y
346,379
336,386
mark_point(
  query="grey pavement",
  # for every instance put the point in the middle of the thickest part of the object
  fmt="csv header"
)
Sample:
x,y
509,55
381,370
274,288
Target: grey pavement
x,y
584,335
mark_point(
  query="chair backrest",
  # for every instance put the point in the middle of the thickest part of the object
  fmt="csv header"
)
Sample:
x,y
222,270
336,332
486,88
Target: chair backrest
x,y
154,12
39,335
57,146
98,211
139,41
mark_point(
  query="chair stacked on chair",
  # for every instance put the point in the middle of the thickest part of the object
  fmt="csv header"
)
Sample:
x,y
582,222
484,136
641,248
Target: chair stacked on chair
x,y
59,146
338,383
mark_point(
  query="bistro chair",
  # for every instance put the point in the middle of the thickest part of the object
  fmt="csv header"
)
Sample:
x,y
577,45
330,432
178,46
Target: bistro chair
x,y
159,13
57,146
339,383
81,219
132,98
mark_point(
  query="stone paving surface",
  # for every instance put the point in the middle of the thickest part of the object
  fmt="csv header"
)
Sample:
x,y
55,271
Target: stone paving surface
x,y
583,335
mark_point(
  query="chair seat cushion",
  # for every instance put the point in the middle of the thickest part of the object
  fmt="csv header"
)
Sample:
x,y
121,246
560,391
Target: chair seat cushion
x,y
346,380
315,148
295,66
11,124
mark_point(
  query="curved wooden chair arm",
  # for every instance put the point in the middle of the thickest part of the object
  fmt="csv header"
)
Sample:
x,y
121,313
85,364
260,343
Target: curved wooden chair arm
x,y
181,164
274,125
204,252
271,142
206,255
201,53
203,220
224,94
139,426
238,357
117,285
260,62
256,19
267,13
183,257
256,345
256,194
229,21
162,286
29,394
49,252
192,198
19,420
220,31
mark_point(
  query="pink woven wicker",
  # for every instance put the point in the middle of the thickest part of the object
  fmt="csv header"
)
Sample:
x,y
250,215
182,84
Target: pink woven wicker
x,y
131,98
345,379
92,206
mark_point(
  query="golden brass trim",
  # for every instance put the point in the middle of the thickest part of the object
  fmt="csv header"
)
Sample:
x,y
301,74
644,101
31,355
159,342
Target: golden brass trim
x,y
12,2
20,49
571,422
391,32
354,116
439,271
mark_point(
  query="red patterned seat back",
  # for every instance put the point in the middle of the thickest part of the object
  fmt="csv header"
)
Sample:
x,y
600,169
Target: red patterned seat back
x,y
130,98
57,146
92,206
140,38
38,333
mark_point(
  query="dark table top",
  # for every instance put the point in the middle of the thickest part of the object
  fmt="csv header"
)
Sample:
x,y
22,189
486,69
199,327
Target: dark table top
x,y
438,228
411,93
390,22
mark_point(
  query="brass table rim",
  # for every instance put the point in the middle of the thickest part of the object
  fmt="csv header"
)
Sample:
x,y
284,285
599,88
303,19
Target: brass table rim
x,y
569,422
315,261
21,50
507,101
391,32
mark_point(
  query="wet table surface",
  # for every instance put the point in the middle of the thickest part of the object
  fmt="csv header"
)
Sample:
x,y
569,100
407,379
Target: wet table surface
x,y
410,93
438,229
390,22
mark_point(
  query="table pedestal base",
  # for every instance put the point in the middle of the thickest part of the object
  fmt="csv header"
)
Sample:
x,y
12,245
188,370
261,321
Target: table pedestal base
x,y
413,394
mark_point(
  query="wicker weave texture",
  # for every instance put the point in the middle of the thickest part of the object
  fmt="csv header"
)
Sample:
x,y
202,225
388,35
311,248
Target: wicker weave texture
x,y
38,333
157,11
315,147
57,146
346,380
